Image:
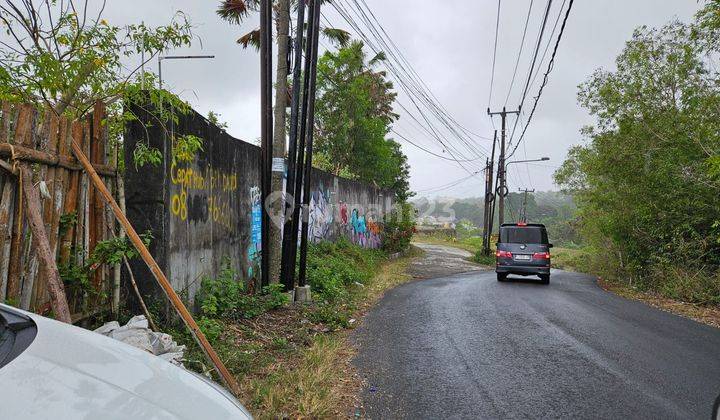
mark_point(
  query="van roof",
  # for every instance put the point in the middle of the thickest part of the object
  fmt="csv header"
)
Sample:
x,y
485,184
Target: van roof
x,y
540,225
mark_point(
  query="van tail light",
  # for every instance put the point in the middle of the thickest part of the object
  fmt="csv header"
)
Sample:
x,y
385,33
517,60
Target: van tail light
x,y
503,254
541,256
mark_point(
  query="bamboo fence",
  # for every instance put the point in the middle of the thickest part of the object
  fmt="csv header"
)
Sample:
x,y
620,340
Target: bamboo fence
x,y
74,215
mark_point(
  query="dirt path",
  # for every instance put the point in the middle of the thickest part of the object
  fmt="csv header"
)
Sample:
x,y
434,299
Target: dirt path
x,y
441,261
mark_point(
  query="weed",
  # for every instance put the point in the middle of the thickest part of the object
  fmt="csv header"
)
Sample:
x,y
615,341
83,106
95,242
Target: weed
x,y
480,258
226,296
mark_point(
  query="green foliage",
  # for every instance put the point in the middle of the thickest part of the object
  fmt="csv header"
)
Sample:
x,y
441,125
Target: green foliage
x,y
227,297
334,316
354,114
334,268
466,229
113,251
483,259
146,155
212,328
553,209
186,148
645,182
399,228
67,221
214,119
68,58
77,276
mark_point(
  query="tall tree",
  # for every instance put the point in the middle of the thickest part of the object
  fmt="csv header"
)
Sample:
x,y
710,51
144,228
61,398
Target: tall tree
x,y
647,196
354,115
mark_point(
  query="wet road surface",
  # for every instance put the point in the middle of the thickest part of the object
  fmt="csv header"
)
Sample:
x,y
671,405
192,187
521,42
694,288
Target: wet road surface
x,y
467,346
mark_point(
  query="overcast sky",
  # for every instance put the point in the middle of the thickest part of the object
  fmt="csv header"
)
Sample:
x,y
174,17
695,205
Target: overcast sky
x,y
450,45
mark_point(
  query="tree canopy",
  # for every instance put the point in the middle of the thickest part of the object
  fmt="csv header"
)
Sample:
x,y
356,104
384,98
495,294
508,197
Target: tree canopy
x,y
354,114
646,180
65,55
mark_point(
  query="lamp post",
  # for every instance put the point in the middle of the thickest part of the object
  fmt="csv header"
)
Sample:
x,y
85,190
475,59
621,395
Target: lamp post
x,y
542,159
176,57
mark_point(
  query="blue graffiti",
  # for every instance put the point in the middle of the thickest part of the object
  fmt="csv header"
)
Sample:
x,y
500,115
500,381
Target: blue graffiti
x,y
255,232
358,223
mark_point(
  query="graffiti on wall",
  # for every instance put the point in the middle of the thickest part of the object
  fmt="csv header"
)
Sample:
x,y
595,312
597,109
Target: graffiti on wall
x,y
362,229
204,195
253,254
321,215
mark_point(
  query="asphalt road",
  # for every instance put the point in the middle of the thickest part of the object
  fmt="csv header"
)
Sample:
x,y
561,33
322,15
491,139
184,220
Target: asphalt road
x,y
467,346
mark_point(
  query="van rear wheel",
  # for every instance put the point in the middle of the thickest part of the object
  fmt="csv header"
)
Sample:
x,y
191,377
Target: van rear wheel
x,y
501,276
545,278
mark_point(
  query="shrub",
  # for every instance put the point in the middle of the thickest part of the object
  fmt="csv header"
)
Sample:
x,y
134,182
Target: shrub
x,y
227,297
212,328
334,317
399,228
483,259
333,267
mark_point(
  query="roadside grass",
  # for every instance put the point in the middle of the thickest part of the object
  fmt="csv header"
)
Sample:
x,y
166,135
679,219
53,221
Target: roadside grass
x,y
321,382
569,259
295,361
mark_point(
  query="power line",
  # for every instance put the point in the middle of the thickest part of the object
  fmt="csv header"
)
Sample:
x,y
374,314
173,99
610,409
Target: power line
x,y
550,38
426,150
551,64
492,74
414,118
409,82
412,70
522,45
532,64
448,185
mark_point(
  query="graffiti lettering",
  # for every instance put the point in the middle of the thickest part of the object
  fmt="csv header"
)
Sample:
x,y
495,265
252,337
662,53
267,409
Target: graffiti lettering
x,y
214,188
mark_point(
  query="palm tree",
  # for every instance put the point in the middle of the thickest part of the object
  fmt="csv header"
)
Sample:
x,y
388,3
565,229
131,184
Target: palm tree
x,y
236,12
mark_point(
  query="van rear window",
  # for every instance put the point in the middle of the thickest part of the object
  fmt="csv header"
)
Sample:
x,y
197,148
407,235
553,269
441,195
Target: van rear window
x,y
523,235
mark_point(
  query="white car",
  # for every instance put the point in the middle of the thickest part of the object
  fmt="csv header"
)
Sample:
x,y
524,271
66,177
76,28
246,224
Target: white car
x,y
49,369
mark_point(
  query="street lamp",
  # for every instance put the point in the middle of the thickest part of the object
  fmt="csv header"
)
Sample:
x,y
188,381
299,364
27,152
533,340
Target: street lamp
x,y
176,57
542,159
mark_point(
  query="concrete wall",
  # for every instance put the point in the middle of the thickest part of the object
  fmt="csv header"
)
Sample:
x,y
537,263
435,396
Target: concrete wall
x,y
206,211
351,209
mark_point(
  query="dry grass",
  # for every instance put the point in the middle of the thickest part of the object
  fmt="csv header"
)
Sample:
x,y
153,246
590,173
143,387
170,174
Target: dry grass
x,y
317,380
709,315
315,383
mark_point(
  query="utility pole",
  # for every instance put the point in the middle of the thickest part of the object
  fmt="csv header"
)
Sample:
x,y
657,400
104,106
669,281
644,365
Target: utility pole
x,y
266,128
287,269
489,200
502,189
486,209
309,146
523,216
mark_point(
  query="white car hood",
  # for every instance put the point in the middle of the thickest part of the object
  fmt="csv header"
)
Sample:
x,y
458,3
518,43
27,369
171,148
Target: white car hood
x,y
71,373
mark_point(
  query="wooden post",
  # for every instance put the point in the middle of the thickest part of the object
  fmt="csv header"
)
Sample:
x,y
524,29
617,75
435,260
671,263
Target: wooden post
x,y
48,267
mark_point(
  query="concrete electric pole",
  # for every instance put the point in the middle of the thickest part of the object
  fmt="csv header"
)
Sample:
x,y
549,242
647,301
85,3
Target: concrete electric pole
x,y
502,190
523,216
